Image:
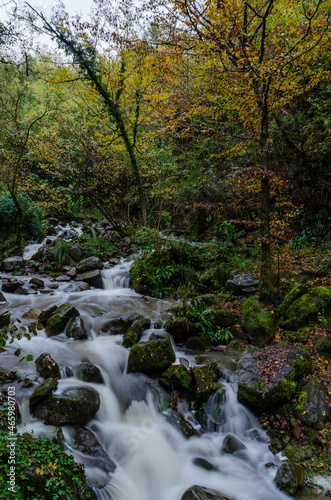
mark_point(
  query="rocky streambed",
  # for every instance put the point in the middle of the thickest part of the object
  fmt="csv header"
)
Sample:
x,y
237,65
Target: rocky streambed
x,y
150,417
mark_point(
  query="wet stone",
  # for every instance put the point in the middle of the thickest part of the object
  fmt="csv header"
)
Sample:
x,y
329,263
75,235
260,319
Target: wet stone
x,y
59,319
90,373
32,314
10,285
76,329
47,367
202,493
4,317
232,444
2,298
43,390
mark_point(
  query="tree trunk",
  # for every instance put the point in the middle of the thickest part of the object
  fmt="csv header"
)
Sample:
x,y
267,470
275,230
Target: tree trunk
x,y
266,281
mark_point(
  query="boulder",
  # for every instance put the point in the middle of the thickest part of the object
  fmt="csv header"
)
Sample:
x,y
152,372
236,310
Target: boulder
x,y
307,308
323,347
8,265
176,419
37,282
76,253
176,377
93,278
289,477
59,319
223,318
75,406
312,407
204,464
76,329
89,264
94,456
232,444
43,390
258,322
45,315
243,284
47,367
2,298
90,373
299,453
269,376
181,329
133,334
4,317
202,493
25,289
10,285
153,356
197,344
78,286
32,314
205,380
118,326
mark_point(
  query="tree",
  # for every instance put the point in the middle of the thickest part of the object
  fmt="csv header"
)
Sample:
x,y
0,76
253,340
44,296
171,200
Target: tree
x,y
22,108
262,54
90,66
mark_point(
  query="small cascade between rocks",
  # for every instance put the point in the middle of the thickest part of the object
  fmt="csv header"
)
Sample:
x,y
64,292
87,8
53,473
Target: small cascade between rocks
x,y
143,453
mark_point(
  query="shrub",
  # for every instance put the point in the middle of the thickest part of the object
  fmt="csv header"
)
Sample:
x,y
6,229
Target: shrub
x,y
33,218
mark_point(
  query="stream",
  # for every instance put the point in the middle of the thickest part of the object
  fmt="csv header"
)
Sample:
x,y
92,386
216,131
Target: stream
x,y
154,461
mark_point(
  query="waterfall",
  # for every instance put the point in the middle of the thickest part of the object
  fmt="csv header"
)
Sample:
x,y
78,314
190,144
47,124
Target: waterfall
x,y
154,461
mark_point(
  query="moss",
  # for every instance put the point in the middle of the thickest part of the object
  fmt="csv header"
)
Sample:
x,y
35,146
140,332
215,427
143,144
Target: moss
x,y
151,357
205,378
59,319
133,334
177,377
299,407
258,322
306,308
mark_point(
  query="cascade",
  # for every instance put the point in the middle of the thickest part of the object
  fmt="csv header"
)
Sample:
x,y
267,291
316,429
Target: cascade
x,y
154,461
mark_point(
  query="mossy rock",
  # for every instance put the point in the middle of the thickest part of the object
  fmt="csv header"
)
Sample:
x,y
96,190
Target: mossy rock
x,y
176,377
73,406
90,373
181,329
289,477
258,322
312,407
197,343
323,347
290,297
202,493
223,318
133,334
306,308
151,357
43,390
57,322
47,367
286,365
205,380
299,453
76,329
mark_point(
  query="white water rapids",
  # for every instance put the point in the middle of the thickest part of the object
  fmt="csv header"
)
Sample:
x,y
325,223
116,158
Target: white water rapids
x,y
154,461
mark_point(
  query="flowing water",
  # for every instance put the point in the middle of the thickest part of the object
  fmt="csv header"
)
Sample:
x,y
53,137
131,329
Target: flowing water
x,y
154,461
